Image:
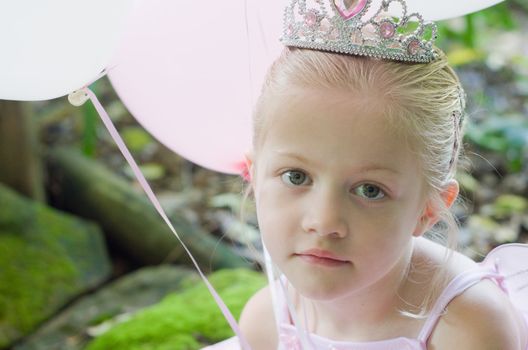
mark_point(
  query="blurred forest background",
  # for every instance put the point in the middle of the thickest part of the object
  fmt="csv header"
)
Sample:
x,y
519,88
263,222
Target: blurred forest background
x,y
87,263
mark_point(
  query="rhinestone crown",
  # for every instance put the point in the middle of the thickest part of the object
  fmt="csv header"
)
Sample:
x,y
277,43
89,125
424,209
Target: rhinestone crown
x,y
340,26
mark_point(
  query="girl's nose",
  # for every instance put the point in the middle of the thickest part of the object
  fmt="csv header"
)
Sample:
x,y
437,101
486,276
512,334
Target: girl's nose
x,y
325,214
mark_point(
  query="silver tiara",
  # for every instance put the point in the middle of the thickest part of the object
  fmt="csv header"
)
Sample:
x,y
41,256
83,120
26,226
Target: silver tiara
x,y
340,26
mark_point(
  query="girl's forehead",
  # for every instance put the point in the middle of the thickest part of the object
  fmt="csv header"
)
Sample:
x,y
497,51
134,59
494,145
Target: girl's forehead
x,y
320,99
327,127
330,108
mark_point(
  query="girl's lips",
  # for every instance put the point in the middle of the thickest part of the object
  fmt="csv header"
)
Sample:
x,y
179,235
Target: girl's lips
x,y
322,257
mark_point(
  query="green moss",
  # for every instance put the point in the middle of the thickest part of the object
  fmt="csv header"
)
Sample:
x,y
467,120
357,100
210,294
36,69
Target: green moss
x,y
186,320
46,258
32,279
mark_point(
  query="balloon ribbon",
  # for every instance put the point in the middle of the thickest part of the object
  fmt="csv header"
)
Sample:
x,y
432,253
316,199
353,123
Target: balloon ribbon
x,y
85,94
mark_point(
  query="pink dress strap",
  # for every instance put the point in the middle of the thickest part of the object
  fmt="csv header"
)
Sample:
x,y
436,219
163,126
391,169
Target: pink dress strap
x,y
456,287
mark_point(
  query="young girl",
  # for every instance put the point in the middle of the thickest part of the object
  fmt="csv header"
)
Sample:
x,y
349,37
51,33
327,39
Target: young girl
x,y
353,162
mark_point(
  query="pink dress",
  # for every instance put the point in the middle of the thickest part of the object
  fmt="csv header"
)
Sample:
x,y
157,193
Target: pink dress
x,y
507,265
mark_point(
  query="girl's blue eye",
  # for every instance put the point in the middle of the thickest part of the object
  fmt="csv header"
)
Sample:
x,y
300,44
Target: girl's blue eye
x,y
294,177
369,191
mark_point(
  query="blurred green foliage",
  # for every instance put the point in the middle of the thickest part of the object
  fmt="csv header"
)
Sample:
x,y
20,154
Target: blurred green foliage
x,y
89,131
507,136
470,30
475,42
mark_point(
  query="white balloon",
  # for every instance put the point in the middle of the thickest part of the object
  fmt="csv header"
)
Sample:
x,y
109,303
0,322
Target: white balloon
x,y
445,9
434,10
51,47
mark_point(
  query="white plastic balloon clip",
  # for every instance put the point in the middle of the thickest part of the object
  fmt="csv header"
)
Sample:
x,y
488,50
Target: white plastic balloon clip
x,y
78,97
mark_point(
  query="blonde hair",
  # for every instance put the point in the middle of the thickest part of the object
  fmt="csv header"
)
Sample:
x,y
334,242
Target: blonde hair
x,y
422,100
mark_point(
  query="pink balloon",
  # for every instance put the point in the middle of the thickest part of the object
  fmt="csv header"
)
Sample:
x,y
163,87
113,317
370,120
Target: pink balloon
x,y
190,73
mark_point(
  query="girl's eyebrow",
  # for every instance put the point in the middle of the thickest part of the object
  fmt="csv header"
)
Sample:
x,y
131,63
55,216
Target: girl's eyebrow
x,y
364,169
296,156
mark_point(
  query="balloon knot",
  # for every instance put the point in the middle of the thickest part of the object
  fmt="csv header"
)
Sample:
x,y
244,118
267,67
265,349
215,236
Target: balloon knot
x,y
78,97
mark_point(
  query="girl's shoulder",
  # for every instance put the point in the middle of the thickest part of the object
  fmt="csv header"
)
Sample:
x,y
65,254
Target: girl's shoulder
x,y
257,321
481,317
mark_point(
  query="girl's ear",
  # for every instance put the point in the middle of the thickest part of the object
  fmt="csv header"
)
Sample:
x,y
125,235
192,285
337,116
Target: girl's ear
x,y
450,193
431,213
248,171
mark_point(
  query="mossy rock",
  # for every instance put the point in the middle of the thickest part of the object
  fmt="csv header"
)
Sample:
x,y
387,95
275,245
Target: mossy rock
x,y
186,320
46,259
80,240
71,328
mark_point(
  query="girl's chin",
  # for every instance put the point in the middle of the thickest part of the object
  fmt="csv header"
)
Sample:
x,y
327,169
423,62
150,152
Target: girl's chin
x,y
319,290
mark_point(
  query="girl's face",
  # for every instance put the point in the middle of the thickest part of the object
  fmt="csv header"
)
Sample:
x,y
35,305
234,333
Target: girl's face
x,y
331,180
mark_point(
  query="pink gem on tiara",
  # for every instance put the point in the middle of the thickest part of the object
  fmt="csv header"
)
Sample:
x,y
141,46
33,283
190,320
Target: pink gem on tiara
x,y
334,34
355,38
310,18
289,30
325,25
413,47
347,11
387,30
